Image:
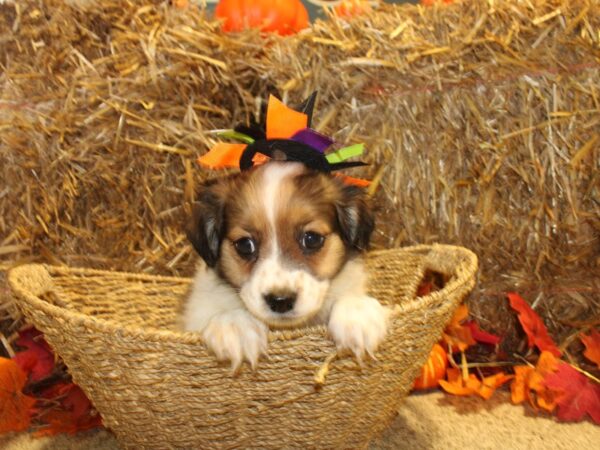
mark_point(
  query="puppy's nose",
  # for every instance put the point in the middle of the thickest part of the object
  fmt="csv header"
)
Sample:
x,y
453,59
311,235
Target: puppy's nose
x,y
280,303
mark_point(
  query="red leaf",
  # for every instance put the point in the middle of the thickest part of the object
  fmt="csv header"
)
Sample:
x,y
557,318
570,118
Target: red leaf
x,y
424,289
15,407
576,394
38,359
75,412
481,336
592,347
536,331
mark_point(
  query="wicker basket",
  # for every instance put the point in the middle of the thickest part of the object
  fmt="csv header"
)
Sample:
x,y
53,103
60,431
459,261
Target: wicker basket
x,y
159,388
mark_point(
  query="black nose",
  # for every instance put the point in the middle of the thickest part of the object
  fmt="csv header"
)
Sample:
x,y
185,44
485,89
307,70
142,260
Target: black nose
x,y
280,303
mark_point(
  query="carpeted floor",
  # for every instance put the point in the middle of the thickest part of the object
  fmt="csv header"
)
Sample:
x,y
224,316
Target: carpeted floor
x,y
429,421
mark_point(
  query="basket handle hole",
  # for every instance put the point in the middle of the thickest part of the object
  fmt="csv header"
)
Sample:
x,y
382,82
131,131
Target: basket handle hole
x,y
430,282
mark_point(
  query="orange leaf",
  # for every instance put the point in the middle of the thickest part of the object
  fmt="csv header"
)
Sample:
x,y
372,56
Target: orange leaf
x,y
283,122
485,388
491,383
529,380
456,335
536,331
457,385
592,346
15,407
519,388
434,370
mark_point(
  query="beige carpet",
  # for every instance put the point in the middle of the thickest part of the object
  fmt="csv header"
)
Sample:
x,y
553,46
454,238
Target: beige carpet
x,y
429,421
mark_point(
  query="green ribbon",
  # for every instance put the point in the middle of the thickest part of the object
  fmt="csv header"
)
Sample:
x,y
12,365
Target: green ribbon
x,y
345,153
232,134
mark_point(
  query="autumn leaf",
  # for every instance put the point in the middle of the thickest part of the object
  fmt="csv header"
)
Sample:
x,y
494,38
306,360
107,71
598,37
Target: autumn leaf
x,y
74,412
457,335
519,388
536,331
592,347
38,359
424,289
530,380
456,384
576,395
15,407
483,337
491,383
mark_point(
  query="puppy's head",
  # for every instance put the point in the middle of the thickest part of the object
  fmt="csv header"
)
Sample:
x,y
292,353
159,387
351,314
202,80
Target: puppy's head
x,y
278,234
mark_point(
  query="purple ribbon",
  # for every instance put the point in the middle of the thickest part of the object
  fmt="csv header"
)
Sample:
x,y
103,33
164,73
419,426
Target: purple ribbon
x,y
313,139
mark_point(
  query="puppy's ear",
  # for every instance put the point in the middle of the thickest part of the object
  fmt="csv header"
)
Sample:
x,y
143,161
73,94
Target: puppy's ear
x,y
355,218
206,227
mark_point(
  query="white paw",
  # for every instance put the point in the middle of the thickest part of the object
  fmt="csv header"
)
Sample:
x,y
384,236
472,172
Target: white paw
x,y
358,324
236,336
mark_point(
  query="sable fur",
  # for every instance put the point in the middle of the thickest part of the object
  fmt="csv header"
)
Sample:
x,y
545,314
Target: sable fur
x,y
233,299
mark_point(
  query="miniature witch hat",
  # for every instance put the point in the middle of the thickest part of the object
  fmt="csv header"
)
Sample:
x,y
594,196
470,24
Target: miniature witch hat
x,y
287,136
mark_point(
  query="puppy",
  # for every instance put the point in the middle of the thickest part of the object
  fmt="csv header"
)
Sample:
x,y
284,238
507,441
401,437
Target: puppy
x,y
282,248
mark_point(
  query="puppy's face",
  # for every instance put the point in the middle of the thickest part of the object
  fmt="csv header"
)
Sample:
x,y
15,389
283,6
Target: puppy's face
x,y
278,234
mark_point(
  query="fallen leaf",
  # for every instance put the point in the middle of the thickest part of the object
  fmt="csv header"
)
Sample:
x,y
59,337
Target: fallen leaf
x,y
592,347
576,395
530,380
491,383
457,385
519,388
536,331
73,413
457,335
38,360
15,407
425,288
481,336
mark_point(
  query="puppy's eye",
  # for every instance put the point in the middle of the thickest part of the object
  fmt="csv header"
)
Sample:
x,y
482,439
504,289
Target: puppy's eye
x,y
311,241
246,247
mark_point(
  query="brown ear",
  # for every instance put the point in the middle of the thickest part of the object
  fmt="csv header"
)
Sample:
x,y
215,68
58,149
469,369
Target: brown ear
x,y
206,227
355,218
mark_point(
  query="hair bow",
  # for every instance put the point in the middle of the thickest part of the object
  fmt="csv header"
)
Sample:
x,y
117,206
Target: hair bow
x,y
287,136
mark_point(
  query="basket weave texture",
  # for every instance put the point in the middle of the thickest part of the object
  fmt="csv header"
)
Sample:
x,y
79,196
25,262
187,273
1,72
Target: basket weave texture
x,y
159,388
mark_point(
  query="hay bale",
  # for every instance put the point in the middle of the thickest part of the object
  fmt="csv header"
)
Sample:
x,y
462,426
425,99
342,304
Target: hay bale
x,y
481,123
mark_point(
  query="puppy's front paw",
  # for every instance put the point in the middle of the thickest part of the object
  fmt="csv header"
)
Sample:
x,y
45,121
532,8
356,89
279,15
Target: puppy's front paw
x,y
358,324
236,336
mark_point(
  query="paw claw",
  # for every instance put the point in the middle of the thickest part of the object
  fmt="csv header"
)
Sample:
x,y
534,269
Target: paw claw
x,y
236,336
358,324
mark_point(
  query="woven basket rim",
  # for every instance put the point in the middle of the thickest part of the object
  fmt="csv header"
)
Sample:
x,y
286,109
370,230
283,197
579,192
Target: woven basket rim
x,y
468,258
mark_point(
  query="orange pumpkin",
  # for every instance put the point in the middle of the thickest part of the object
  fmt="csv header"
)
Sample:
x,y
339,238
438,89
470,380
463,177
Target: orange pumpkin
x,y
349,8
180,4
281,16
431,2
434,370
